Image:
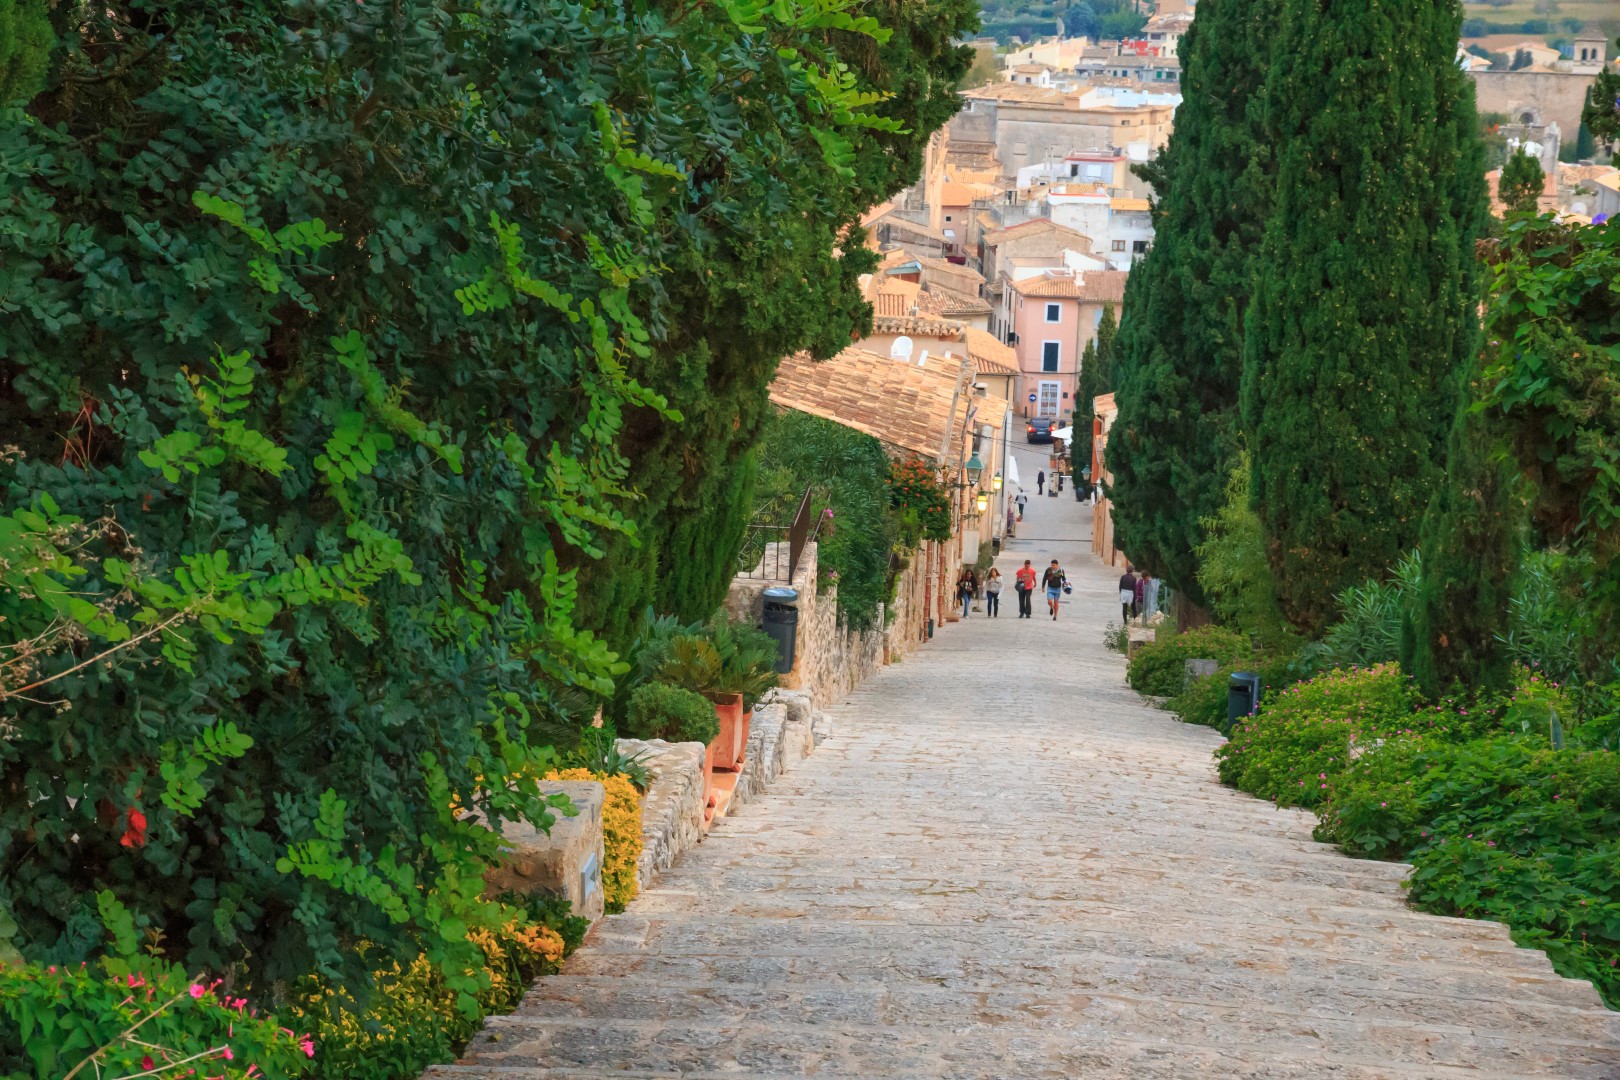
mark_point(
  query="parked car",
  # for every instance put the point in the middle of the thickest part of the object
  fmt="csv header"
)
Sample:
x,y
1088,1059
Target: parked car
x,y
1039,429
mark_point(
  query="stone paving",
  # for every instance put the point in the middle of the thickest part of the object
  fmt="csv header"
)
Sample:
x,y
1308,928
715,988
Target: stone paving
x,y
1004,863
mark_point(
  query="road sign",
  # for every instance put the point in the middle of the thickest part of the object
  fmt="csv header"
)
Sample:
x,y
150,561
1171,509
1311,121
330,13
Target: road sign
x,y
1032,399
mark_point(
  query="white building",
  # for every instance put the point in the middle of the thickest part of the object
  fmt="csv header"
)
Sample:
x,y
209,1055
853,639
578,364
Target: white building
x,y
1121,229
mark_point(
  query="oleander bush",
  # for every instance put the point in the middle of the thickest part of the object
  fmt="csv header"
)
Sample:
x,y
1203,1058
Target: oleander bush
x,y
1203,700
1301,738
1159,667
621,835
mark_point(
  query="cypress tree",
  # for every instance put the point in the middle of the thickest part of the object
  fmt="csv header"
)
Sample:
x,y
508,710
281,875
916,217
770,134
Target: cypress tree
x,y
1096,378
1521,184
1365,303
1180,345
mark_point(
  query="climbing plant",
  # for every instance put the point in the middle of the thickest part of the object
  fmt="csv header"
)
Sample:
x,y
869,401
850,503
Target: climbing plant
x,y
320,358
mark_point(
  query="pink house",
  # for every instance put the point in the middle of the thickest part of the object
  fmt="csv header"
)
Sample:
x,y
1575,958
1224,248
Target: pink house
x,y
1054,315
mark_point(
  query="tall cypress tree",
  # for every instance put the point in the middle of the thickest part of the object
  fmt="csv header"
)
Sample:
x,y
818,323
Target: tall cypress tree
x,y
1365,305
1181,339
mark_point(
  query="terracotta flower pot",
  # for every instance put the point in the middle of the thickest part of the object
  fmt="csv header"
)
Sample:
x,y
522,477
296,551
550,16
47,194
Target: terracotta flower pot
x,y
727,747
742,744
711,797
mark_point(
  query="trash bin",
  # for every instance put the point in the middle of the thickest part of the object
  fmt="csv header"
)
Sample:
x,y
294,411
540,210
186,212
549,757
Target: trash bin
x,y
995,545
1242,697
781,623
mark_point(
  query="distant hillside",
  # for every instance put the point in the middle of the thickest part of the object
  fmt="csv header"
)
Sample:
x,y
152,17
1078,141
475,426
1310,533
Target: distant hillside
x,y
1028,20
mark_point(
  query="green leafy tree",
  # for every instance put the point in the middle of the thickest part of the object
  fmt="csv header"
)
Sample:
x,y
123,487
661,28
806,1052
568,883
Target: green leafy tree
x,y
25,44
1521,184
1365,305
1601,114
322,363
1097,365
1181,339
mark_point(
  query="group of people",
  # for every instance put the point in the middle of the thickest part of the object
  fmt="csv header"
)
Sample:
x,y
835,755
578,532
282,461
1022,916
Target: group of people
x,y
1138,594
1053,581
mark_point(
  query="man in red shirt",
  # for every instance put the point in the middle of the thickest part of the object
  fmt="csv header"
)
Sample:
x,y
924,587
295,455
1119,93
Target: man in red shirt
x,y
1025,584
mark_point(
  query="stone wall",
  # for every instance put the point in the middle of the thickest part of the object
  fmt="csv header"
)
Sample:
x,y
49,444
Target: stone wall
x,y
1546,96
830,659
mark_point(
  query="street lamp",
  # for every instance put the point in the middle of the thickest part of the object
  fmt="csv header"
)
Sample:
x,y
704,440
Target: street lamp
x,y
995,482
975,468
983,501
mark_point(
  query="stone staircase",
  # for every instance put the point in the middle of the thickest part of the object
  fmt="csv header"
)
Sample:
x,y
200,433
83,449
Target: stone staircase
x,y
1004,866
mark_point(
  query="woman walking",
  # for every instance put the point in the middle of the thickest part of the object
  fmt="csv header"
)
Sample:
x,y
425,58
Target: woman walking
x,y
992,593
965,587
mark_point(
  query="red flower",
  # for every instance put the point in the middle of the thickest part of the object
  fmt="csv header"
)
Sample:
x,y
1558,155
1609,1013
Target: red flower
x,y
135,832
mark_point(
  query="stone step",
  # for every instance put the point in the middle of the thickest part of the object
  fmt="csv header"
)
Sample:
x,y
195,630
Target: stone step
x,y
703,1045
1118,1011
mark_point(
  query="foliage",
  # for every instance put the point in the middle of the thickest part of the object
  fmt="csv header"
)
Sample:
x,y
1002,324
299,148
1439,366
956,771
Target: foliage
x,y
1097,365
1081,20
1159,666
1116,638
1232,568
413,1021
660,711
1521,184
326,348
1181,339
847,473
25,45
923,503
1203,700
1544,615
134,1016
621,835
1301,738
598,752
1600,117
1470,540
769,267
747,658
1370,617
1351,364
1123,23
1552,325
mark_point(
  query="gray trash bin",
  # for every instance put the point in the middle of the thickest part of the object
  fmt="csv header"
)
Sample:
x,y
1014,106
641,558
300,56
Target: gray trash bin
x,y
1242,697
781,622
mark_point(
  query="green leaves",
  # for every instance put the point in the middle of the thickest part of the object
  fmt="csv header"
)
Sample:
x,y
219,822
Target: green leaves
x,y
182,772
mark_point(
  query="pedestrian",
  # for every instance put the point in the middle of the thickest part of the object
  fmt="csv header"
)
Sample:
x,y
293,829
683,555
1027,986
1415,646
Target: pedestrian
x,y
1150,595
1022,499
964,590
992,593
1141,584
1040,481
1127,593
1055,583
1025,584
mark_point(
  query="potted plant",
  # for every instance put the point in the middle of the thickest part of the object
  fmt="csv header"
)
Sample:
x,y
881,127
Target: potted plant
x,y
694,662
747,668
660,711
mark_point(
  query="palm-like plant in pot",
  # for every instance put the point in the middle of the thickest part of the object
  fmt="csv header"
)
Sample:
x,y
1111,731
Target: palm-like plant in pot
x,y
747,668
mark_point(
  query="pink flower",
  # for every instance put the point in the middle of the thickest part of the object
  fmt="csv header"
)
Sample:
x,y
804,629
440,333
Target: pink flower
x,y
307,1046
226,1054
197,990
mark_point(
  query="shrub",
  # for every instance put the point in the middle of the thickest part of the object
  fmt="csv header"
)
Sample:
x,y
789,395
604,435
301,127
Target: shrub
x,y
1301,738
661,711
621,835
922,502
1203,700
1159,667
414,1021
135,1014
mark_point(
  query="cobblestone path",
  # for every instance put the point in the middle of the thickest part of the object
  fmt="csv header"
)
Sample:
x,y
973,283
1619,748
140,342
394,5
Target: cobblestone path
x,y
1005,864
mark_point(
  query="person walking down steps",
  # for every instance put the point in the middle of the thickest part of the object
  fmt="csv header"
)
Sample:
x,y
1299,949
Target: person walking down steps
x,y
1127,594
1056,584
1025,584
1022,500
992,594
1040,482
965,588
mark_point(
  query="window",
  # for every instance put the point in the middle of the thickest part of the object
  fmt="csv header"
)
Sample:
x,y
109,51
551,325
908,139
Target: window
x,y
947,217
1051,352
1119,245
1054,312
1139,247
1049,399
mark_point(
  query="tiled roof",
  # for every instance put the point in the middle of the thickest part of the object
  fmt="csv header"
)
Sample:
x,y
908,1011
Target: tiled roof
x,y
934,300
1021,93
1123,205
898,403
945,266
1037,227
989,356
917,326
1095,286
916,228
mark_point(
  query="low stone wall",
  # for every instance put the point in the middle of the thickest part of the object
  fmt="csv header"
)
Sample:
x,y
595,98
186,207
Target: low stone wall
x,y
672,809
565,862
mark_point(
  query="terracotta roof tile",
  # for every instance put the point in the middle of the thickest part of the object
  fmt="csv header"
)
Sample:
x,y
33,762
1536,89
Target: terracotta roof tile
x,y
935,300
897,403
990,412
1097,286
1037,227
989,356
917,326
945,266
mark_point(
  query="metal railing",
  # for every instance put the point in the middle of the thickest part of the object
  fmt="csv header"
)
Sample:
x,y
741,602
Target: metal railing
x,y
772,551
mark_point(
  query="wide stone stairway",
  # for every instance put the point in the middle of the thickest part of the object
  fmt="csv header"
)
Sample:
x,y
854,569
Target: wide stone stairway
x,y
1004,864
